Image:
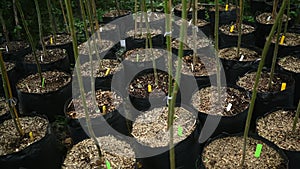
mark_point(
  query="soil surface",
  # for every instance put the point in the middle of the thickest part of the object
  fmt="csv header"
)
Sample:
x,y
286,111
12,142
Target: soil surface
x,y
263,18
3,106
291,39
99,47
10,140
85,155
106,98
206,101
100,68
150,128
13,46
201,42
152,16
248,80
290,63
277,127
227,152
200,22
115,13
246,29
52,55
139,86
141,33
222,8
175,44
205,66
230,54
199,7
9,66
54,81
144,55
59,39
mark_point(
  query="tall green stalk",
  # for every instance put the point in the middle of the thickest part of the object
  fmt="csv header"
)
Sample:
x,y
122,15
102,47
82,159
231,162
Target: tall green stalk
x,y
53,27
9,97
37,7
64,15
5,32
240,22
30,39
274,59
296,118
176,84
288,16
135,13
118,7
217,13
195,27
78,74
258,75
274,10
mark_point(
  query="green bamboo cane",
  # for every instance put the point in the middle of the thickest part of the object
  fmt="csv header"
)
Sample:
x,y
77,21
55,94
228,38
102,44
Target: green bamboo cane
x,y
274,11
118,7
4,29
135,20
78,74
176,84
8,96
274,59
217,13
151,5
195,18
30,39
258,75
37,7
288,16
240,23
64,15
296,118
53,27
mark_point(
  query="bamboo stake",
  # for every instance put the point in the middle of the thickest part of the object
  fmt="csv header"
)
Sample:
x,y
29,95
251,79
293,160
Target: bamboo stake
x,y
296,118
64,16
53,27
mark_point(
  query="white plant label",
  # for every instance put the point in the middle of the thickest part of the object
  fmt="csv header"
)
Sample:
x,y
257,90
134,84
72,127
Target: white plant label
x,y
241,58
6,47
123,43
269,17
228,108
101,29
42,60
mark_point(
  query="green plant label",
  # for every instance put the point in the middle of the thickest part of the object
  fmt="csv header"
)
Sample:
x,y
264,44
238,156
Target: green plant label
x,y
107,164
43,82
258,150
179,131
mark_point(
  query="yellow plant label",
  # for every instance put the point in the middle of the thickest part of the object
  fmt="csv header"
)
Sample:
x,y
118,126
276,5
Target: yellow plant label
x,y
107,71
282,39
149,88
232,28
283,86
226,7
31,136
103,109
51,40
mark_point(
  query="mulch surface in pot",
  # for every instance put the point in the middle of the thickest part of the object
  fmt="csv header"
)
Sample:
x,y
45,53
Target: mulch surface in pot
x,y
138,34
52,55
9,66
139,86
3,106
248,80
100,67
205,66
266,18
106,98
54,80
227,153
150,128
291,39
206,101
175,44
179,7
290,63
230,54
144,55
246,29
222,8
201,42
58,40
85,155
115,13
152,16
200,22
14,46
277,127
10,140
100,46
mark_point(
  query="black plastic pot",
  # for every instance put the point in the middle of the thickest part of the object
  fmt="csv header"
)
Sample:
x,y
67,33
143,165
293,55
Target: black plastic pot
x,y
4,117
200,164
68,47
188,146
229,124
200,13
131,42
13,78
41,154
49,104
61,65
110,19
259,6
226,17
293,156
296,77
265,101
234,68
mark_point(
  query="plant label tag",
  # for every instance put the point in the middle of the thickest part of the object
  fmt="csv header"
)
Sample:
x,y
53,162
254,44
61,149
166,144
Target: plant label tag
x,y
269,18
282,39
103,109
228,108
42,60
283,86
258,150
107,71
107,164
123,43
43,82
179,131
149,88
31,136
101,29
167,33
232,28
192,66
241,58
51,40
190,22
6,48
226,7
